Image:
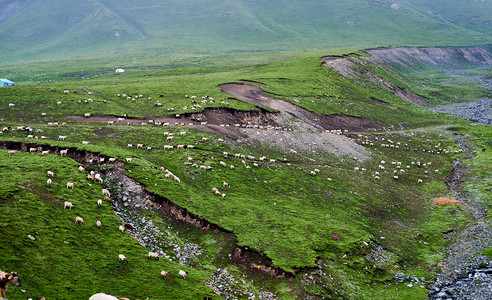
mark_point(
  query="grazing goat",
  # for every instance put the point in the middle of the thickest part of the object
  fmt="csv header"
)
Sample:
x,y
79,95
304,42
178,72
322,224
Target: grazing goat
x,y
67,204
121,228
165,274
99,202
98,224
50,173
71,185
153,255
182,273
79,220
5,279
48,182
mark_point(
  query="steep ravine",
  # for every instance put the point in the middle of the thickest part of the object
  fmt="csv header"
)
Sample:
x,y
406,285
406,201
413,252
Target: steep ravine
x,y
465,273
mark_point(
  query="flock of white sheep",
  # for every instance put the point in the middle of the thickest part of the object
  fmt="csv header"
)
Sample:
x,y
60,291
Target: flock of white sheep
x,y
107,194
396,169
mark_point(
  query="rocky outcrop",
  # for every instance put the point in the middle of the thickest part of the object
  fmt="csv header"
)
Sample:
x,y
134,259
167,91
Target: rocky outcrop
x,y
437,57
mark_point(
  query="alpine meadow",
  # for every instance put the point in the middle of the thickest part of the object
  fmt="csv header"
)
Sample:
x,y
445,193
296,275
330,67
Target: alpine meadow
x,y
245,149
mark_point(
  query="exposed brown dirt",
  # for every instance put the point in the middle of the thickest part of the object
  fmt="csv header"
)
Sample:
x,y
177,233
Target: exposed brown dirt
x,y
305,120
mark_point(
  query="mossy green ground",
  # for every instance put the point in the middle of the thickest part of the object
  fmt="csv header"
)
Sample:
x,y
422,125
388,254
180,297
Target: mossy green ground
x,y
278,209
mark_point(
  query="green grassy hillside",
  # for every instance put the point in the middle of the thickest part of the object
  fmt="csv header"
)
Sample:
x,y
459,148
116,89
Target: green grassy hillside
x,y
473,15
325,219
125,30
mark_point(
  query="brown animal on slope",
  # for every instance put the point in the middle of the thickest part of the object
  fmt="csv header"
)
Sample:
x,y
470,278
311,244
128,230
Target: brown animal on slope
x,y
5,278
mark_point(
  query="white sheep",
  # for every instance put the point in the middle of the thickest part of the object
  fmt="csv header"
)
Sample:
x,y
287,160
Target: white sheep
x,y
102,296
32,149
48,182
79,220
46,152
106,192
50,173
98,224
225,184
67,204
121,228
81,169
97,177
64,152
99,202
153,255
71,185
182,273
122,258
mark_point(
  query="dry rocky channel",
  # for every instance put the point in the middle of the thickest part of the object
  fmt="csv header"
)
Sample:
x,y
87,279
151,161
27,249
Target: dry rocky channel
x,y
465,272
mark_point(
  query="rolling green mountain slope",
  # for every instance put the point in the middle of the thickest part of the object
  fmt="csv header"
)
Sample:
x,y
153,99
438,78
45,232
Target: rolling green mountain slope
x,y
472,14
34,30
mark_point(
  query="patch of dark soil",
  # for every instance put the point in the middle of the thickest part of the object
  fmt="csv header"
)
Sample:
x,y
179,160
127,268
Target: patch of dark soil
x,y
75,75
83,74
252,81
257,264
328,58
378,101
88,92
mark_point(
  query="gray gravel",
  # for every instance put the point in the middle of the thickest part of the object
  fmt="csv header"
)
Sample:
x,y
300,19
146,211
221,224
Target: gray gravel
x,y
478,111
131,203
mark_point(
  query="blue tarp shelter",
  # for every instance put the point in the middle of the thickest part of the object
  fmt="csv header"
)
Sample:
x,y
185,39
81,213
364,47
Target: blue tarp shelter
x,y
6,82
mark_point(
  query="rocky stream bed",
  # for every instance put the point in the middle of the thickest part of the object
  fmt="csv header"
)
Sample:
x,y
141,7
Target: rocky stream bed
x,y
465,273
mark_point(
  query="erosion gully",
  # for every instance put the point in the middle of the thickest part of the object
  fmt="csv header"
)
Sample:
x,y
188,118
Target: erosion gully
x,y
131,203
465,273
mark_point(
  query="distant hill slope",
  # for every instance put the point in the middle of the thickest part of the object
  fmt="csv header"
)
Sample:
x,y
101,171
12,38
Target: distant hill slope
x,y
34,30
